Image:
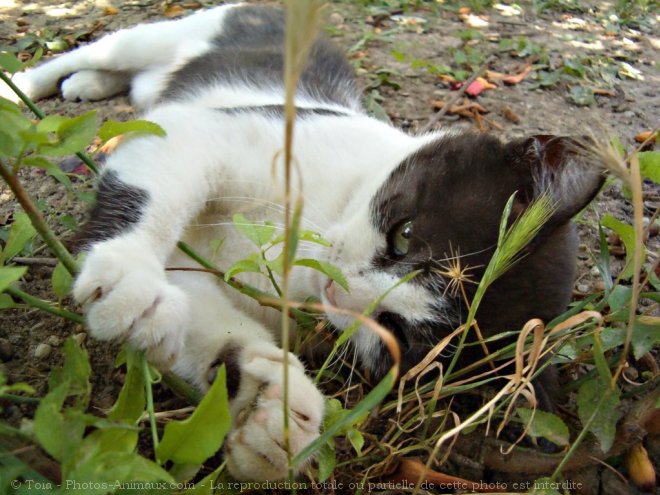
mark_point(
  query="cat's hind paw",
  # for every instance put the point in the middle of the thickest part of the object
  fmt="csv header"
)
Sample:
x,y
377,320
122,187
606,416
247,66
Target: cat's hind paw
x,y
255,448
126,296
91,85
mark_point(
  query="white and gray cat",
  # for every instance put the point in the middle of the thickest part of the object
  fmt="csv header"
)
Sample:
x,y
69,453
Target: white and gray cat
x,y
388,202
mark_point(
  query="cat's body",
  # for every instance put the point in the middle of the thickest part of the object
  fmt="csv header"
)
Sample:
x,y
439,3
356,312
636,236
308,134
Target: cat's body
x,y
388,202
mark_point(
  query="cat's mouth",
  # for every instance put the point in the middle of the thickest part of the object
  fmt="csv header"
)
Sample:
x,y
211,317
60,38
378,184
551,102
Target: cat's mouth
x,y
391,321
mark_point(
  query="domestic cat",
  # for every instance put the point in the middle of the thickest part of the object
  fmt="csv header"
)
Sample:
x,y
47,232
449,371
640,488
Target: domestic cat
x,y
388,202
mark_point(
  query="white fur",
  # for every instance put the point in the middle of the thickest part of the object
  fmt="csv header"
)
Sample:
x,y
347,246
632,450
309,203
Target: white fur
x,y
210,165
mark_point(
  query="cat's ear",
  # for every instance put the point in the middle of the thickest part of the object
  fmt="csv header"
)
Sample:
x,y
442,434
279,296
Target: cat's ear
x,y
560,166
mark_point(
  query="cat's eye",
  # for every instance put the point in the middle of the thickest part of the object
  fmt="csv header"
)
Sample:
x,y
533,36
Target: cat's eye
x,y
400,238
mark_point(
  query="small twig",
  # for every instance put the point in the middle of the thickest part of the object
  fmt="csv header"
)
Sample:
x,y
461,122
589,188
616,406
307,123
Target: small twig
x,y
37,219
166,415
456,96
35,261
29,453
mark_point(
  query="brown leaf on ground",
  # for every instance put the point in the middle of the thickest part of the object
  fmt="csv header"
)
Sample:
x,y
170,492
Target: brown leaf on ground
x,y
509,115
509,79
645,136
174,11
110,10
409,471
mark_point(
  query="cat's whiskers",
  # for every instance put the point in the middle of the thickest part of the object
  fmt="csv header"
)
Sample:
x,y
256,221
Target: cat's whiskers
x,y
318,212
271,205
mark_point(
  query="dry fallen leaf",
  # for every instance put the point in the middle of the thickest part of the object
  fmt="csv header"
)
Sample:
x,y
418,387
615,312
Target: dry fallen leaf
x,y
509,79
509,115
110,10
644,136
174,11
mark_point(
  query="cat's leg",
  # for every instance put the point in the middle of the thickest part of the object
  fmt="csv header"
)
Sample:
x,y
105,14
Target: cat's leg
x,y
131,51
150,191
220,334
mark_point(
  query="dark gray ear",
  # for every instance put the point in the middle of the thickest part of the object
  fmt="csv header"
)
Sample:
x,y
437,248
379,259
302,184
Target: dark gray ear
x,y
558,165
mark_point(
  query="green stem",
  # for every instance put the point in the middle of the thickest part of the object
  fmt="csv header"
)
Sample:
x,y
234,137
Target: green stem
x,y
581,435
182,388
45,305
263,298
148,380
37,219
86,159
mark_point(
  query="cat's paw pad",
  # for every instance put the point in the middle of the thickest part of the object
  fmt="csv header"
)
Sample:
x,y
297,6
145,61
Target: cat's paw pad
x,y
126,296
92,85
255,448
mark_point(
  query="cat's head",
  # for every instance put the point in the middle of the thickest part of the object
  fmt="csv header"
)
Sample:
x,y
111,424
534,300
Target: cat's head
x,y
445,202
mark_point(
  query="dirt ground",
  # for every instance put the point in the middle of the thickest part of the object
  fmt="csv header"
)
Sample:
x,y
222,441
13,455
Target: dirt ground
x,y
395,51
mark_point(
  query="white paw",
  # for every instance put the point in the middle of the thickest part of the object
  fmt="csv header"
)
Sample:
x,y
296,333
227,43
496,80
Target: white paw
x,y
91,85
125,296
255,448
22,82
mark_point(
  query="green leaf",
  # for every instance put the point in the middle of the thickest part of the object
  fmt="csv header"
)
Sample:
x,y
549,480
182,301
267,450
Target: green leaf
x,y
257,233
596,398
604,259
59,436
10,63
582,96
327,460
73,135
197,438
100,471
315,237
371,400
241,266
53,170
9,275
9,146
545,424
112,128
646,335
327,268
627,234
20,233
6,301
61,280
128,408
357,440
206,485
75,372
649,165
600,360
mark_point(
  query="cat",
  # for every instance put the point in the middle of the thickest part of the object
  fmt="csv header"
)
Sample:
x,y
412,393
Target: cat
x,y
388,202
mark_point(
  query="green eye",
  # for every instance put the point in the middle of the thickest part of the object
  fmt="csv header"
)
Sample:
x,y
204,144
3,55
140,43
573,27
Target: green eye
x,y
400,238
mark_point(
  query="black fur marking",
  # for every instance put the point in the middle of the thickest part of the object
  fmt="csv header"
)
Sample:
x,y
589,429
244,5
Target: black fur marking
x,y
229,356
118,208
278,111
454,190
250,51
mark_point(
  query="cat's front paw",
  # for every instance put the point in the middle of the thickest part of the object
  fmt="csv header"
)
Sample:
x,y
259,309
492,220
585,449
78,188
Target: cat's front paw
x,y
255,448
126,296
